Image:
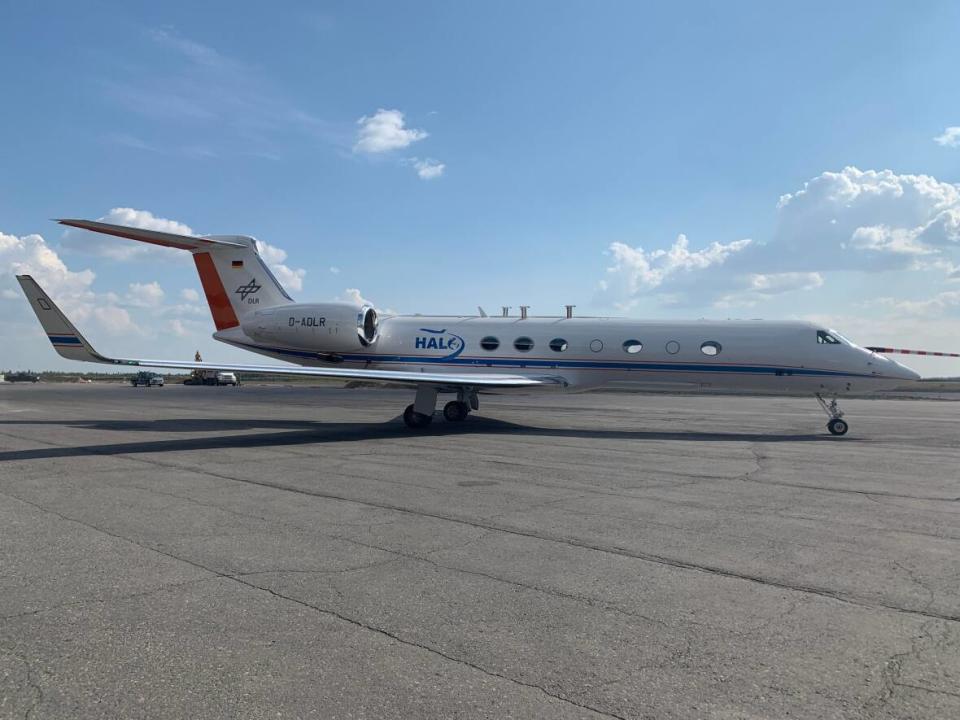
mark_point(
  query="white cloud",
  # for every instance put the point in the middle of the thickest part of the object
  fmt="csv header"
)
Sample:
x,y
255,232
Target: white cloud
x,y
864,220
884,238
120,248
861,221
385,131
428,169
291,279
30,255
145,294
190,295
353,295
773,283
759,287
334,270
935,306
637,271
949,138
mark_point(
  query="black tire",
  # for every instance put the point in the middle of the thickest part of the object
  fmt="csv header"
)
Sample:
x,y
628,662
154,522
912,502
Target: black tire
x,y
456,411
838,427
415,420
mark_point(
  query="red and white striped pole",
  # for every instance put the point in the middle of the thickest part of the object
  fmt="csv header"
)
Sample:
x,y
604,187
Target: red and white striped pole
x,y
901,351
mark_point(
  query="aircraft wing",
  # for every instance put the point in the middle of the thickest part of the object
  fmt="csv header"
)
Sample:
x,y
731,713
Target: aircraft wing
x,y
69,343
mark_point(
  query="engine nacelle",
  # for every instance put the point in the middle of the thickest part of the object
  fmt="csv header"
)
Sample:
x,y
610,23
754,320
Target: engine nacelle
x,y
324,327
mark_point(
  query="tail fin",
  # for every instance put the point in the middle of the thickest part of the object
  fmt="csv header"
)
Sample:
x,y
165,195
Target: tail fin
x,y
235,278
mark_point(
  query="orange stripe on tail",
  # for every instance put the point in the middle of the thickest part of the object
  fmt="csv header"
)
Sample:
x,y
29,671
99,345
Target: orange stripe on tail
x,y
223,315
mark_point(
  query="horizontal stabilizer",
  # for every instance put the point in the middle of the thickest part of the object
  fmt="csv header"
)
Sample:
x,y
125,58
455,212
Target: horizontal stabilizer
x,y
69,343
154,237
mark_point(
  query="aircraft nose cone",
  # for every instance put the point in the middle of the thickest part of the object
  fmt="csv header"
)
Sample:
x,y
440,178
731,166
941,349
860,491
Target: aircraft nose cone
x,y
905,373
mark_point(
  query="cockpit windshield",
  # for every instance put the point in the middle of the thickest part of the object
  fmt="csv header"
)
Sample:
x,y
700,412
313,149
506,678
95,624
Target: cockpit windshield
x,y
825,338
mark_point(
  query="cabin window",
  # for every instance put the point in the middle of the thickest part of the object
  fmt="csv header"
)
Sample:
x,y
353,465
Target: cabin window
x,y
523,344
596,345
711,347
632,346
825,338
490,343
673,347
558,345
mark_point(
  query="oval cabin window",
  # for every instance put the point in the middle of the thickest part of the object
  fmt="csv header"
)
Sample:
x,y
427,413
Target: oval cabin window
x,y
489,343
523,344
558,345
710,347
632,346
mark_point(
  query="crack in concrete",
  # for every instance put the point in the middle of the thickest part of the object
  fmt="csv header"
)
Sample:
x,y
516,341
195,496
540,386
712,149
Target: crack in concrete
x,y
104,601
30,680
927,689
573,542
312,571
749,477
556,695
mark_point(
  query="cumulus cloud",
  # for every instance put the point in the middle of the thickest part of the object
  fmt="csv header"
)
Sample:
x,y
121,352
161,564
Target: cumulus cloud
x,y
863,221
950,137
773,283
290,278
636,271
190,295
428,169
938,305
145,294
384,131
353,295
334,270
30,255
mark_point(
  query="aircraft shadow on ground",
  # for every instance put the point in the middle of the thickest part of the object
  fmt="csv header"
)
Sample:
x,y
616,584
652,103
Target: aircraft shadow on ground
x,y
306,432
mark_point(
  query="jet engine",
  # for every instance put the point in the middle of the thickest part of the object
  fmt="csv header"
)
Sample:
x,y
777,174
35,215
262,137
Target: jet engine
x,y
325,327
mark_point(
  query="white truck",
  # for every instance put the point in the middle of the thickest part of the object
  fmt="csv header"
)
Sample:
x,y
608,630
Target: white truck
x,y
212,377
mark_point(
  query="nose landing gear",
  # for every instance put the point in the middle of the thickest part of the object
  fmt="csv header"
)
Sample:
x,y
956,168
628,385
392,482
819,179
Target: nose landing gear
x,y
836,426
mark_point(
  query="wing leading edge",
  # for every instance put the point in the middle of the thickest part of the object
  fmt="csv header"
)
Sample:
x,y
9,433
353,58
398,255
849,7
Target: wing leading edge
x,y
69,343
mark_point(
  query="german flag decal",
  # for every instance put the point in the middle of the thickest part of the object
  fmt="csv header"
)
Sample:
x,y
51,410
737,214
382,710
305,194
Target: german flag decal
x,y
237,264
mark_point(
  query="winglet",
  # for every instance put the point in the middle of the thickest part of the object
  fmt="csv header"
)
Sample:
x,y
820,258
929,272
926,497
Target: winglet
x,y
64,337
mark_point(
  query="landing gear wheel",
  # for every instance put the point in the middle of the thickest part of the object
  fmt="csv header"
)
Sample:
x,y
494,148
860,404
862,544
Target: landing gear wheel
x,y
837,427
416,420
456,411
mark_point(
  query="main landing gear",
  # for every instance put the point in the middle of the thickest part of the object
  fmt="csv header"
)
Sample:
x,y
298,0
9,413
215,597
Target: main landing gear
x,y
420,414
837,425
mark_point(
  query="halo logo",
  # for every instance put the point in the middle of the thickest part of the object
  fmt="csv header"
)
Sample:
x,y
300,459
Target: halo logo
x,y
439,340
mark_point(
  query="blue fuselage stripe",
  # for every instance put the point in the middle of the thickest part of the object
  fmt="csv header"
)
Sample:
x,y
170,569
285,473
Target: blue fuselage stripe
x,y
567,364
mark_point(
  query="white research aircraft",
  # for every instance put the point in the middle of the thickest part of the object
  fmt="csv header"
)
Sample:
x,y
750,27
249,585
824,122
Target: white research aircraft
x,y
467,355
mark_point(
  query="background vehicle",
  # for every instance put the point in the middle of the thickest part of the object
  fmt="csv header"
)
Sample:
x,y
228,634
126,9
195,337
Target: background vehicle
x,y
22,377
147,379
211,377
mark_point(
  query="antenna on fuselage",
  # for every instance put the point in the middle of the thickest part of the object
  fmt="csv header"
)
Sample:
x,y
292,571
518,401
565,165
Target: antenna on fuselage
x,y
506,311
523,311
482,312
569,310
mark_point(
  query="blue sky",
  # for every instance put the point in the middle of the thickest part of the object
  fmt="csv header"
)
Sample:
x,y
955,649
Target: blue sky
x,y
565,148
